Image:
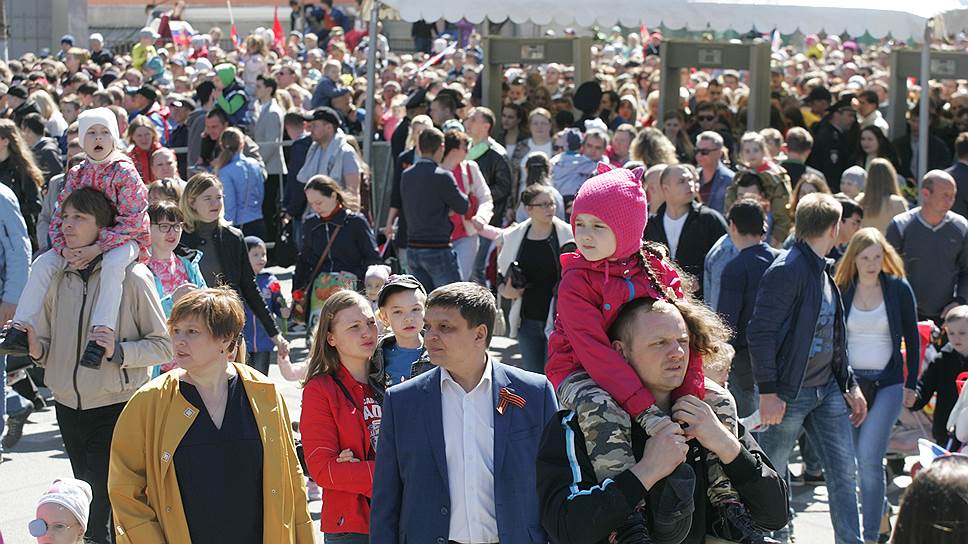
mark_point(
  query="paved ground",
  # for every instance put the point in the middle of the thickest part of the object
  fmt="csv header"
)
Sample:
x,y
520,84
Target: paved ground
x,y
40,457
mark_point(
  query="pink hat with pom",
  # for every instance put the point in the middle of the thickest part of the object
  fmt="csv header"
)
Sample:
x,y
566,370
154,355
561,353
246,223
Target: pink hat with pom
x,y
616,197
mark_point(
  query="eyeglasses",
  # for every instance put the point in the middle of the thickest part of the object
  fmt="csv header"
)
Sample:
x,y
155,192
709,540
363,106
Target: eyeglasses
x,y
705,118
168,227
704,151
39,528
543,205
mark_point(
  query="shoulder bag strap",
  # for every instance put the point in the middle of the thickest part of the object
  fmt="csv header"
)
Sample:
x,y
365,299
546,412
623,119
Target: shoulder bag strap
x,y
322,257
345,391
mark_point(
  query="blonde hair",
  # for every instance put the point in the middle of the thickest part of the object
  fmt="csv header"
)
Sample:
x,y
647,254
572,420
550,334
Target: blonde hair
x,y
45,103
881,184
757,139
846,273
230,143
816,213
220,309
420,120
958,313
324,359
142,122
198,184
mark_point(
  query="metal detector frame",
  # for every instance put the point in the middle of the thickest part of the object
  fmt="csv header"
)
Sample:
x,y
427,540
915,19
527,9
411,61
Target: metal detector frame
x,y
906,63
754,57
499,51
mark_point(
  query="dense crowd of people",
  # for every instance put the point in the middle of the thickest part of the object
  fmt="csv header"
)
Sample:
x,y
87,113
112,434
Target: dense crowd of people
x,y
693,300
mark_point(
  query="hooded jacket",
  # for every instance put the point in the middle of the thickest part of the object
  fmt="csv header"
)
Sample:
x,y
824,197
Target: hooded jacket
x,y
120,182
142,161
569,171
589,298
233,101
142,339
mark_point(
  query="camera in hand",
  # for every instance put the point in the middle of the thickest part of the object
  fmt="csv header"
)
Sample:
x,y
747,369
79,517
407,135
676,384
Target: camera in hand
x,y
518,279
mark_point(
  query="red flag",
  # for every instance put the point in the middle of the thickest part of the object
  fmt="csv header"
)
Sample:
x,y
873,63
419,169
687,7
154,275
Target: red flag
x,y
234,34
277,33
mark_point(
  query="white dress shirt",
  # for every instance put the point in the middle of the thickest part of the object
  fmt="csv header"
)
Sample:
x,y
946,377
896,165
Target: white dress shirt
x,y
468,421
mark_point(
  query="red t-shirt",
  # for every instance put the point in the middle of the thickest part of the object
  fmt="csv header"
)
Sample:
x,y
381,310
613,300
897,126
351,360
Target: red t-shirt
x,y
372,414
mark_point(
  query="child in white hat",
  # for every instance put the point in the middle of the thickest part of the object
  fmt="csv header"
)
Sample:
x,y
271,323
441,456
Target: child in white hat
x,y
113,174
62,512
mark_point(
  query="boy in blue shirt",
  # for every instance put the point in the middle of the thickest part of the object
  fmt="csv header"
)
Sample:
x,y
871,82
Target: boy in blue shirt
x,y
257,340
401,304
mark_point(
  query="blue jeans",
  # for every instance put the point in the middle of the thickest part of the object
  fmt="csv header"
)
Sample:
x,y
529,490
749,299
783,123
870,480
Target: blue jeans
x,y
346,538
13,404
480,262
533,345
466,249
870,441
433,267
823,412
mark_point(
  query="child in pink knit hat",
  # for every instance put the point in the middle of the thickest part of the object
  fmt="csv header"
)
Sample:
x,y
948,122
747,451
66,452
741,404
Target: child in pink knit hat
x,y
613,266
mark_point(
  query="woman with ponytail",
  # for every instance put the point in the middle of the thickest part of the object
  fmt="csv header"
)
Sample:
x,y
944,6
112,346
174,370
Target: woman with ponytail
x,y
537,171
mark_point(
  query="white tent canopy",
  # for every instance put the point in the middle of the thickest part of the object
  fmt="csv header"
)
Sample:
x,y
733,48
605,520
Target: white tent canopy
x,y
902,19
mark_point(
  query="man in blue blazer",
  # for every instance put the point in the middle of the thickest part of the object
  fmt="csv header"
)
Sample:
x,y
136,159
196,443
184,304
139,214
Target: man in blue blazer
x,y
457,448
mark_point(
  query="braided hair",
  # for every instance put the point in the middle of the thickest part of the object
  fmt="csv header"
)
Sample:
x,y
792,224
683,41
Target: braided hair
x,y
653,250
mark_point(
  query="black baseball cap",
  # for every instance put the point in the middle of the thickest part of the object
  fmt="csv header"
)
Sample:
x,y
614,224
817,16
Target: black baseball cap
x,y
397,283
417,100
182,102
18,91
148,92
326,114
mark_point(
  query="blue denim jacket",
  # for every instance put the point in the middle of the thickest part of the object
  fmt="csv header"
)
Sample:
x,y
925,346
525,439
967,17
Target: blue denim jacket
x,y
902,316
244,184
784,320
14,247
721,180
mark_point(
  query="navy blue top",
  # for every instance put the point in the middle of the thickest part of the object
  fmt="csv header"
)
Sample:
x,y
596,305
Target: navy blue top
x,y
220,471
738,286
902,316
784,320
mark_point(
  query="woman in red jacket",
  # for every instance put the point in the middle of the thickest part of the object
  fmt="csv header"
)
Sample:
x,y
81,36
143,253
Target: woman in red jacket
x,y
144,140
341,413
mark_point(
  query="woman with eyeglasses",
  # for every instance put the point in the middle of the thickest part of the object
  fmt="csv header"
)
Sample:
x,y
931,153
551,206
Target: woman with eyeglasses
x,y
175,267
529,270
539,126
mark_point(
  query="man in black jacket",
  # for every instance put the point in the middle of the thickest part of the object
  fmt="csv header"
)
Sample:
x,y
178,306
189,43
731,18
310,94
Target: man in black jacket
x,y
47,153
429,194
20,103
577,508
492,158
939,157
798,348
835,140
688,228
181,109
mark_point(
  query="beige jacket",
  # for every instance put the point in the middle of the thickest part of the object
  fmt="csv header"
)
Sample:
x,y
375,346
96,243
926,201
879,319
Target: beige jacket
x,y
62,330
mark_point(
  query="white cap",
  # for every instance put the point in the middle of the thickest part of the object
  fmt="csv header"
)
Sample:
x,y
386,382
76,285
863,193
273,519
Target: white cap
x,y
75,495
96,37
98,116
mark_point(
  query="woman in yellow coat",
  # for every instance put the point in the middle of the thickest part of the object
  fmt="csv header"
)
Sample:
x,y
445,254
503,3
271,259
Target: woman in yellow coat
x,y
205,453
